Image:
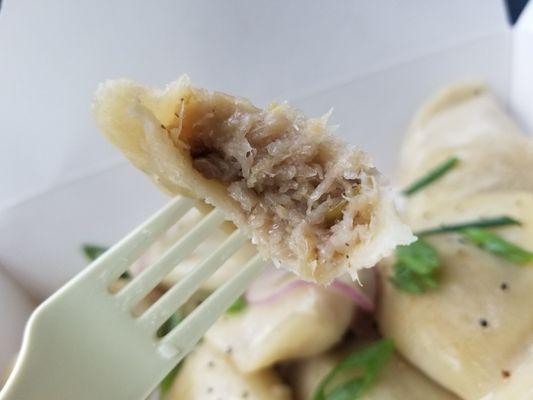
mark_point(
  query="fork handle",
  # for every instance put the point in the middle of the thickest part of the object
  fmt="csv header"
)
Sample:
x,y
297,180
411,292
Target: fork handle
x,y
58,362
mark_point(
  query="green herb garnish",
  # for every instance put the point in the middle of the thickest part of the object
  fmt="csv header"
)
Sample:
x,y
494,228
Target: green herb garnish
x,y
416,267
239,305
166,383
480,223
417,264
92,252
169,324
364,365
495,244
431,176
125,275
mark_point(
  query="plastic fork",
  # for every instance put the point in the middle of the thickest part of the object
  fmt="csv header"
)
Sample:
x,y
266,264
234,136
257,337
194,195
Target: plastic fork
x,y
84,342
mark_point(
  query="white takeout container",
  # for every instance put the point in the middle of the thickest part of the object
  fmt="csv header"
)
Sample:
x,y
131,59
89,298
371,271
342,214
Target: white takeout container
x,y
374,62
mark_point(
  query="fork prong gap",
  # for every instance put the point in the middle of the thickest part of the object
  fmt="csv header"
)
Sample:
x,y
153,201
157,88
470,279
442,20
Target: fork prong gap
x,y
141,285
184,336
110,265
176,296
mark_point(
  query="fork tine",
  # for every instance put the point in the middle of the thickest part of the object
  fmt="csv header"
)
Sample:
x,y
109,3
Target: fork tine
x,y
141,285
182,338
159,312
110,265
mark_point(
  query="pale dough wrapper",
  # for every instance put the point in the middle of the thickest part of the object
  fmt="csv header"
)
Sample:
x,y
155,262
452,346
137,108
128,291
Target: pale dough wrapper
x,y
468,122
454,118
208,374
441,331
307,322
308,200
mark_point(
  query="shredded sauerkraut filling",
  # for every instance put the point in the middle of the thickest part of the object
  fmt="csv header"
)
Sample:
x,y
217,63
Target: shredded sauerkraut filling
x,y
306,194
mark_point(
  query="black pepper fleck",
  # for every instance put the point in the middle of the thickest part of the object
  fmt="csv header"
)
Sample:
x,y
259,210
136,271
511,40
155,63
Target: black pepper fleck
x,y
211,364
347,256
177,115
504,286
209,389
506,374
483,322
163,126
229,350
245,394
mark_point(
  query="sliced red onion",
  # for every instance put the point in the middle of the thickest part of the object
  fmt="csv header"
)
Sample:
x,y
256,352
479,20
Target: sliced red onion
x,y
275,295
275,284
359,297
271,285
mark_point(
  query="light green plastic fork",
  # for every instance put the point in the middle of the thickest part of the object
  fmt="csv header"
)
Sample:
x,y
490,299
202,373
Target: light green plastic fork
x,y
84,343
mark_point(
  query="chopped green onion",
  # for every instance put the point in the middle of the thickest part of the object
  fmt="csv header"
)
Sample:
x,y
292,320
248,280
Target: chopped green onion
x,y
417,264
416,267
419,256
480,223
92,252
239,305
363,364
408,281
431,176
495,244
125,275
169,324
166,383
348,390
